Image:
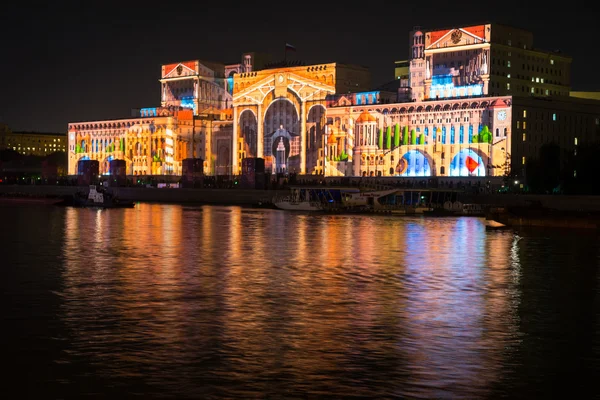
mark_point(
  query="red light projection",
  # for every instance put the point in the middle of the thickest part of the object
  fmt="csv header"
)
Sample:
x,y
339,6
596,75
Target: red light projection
x,y
170,67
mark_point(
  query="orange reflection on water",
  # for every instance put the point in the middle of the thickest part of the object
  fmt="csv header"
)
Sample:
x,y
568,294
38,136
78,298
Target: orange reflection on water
x,y
339,301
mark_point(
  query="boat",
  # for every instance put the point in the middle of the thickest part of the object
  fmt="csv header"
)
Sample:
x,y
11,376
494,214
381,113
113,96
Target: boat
x,y
99,197
332,199
300,199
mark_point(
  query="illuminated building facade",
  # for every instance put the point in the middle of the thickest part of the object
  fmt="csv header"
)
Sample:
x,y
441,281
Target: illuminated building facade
x,y
288,106
464,109
487,59
454,137
32,143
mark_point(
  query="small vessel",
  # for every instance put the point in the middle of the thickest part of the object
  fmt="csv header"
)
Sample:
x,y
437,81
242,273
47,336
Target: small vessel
x,y
99,197
300,199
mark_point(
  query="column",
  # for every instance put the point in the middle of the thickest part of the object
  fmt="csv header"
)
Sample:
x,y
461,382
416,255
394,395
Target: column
x,y
302,137
260,143
234,143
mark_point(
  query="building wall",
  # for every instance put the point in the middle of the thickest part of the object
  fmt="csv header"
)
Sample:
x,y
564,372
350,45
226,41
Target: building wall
x,y
435,138
33,143
488,59
567,122
152,145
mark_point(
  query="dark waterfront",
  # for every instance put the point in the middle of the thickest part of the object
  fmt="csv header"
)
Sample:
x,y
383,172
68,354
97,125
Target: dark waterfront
x,y
230,302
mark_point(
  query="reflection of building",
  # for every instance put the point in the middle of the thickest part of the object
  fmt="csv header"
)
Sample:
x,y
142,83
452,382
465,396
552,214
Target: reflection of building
x,y
470,101
32,143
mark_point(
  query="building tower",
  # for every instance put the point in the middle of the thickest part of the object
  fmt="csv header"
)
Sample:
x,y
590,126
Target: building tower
x,y
416,75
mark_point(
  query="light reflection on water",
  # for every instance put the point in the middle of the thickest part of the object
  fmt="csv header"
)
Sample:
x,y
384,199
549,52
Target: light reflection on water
x,y
229,302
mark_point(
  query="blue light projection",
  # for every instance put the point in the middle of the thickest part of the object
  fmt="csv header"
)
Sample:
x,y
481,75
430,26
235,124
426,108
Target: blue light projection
x,y
366,98
467,163
443,87
413,163
148,112
188,102
230,85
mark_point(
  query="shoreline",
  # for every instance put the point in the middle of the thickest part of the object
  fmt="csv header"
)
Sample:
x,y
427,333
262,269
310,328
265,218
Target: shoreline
x,y
563,206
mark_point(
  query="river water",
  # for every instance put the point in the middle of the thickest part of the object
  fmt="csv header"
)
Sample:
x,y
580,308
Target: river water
x,y
228,302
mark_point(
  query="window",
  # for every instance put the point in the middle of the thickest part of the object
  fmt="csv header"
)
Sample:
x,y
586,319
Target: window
x,y
523,160
551,62
508,75
553,116
524,137
524,124
524,113
508,86
508,64
575,141
532,90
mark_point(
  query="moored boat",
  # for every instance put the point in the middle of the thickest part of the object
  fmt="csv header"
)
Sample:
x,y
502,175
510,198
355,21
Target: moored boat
x,y
299,199
99,197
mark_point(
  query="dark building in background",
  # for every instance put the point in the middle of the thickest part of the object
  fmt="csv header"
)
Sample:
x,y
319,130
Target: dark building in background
x,y
32,143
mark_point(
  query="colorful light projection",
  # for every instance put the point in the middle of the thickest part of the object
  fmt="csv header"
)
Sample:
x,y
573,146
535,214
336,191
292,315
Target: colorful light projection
x,y
413,163
188,102
467,163
443,86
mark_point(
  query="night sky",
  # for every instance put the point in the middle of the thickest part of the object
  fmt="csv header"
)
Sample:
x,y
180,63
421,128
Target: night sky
x,y
67,62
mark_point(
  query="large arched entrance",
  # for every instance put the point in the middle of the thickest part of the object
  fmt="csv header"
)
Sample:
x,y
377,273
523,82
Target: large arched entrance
x,y
282,137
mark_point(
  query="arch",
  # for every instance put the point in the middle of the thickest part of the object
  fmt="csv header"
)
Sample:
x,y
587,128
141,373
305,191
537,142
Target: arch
x,y
446,107
248,128
282,119
414,163
315,127
467,162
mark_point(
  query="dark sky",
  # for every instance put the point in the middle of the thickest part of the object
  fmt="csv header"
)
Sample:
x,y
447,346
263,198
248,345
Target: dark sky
x,y
83,61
